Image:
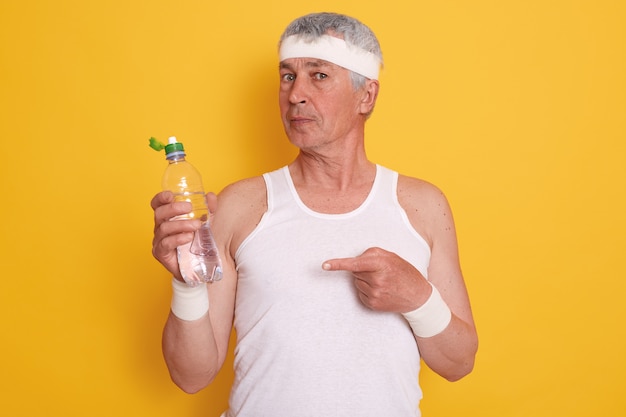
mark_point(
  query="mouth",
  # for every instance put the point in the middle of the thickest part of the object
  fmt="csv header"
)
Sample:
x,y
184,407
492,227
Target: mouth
x,y
297,120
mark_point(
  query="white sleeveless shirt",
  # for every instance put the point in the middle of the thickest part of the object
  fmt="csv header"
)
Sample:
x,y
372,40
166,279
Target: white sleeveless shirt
x,y
306,345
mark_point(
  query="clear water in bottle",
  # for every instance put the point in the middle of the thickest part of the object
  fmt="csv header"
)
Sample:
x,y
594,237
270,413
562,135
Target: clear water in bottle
x,y
199,259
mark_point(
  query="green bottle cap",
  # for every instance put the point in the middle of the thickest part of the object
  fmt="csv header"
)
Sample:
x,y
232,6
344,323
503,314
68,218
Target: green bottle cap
x,y
173,147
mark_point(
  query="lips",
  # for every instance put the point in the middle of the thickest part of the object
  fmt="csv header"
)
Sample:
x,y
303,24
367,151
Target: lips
x,y
298,119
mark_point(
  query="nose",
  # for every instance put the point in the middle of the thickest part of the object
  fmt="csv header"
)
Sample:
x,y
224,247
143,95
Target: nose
x,y
298,94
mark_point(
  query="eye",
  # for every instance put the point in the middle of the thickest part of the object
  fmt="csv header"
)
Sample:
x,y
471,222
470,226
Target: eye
x,y
320,76
288,77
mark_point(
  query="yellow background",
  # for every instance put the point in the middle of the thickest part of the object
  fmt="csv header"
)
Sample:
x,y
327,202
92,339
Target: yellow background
x,y
516,109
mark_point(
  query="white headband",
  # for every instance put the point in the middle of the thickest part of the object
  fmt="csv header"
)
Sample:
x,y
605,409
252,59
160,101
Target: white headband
x,y
333,50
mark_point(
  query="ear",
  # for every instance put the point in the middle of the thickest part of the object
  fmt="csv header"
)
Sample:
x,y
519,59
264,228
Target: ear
x,y
369,95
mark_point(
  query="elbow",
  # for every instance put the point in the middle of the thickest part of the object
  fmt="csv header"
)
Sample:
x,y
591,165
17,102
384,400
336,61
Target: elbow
x,y
191,376
462,368
192,381
191,385
190,389
459,372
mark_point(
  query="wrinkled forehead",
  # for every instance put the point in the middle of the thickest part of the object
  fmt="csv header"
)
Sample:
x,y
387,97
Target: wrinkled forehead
x,y
331,49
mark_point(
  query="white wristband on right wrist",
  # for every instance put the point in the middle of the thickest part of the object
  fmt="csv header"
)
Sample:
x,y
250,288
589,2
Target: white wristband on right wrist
x,y
189,303
431,318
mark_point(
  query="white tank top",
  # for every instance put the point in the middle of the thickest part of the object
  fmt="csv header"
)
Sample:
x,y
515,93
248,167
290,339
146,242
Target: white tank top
x,y
306,346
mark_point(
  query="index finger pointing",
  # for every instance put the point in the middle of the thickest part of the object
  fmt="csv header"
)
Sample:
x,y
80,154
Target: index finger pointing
x,y
344,264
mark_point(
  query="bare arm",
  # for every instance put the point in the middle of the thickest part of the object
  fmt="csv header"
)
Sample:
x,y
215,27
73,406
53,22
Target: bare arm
x,y
195,351
452,352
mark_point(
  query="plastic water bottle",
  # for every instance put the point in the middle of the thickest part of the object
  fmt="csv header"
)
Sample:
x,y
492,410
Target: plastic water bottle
x,y
199,259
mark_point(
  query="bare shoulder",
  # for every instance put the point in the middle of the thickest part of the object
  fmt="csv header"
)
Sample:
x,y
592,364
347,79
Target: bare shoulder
x,y
240,207
426,206
249,190
420,193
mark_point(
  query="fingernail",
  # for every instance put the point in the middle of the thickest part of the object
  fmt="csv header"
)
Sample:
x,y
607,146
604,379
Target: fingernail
x,y
326,266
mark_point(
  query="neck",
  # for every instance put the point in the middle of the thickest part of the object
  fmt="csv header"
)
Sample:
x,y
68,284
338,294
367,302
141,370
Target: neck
x,y
337,173
331,187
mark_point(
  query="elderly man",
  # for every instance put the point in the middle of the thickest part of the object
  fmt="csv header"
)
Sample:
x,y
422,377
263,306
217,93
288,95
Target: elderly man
x,y
339,274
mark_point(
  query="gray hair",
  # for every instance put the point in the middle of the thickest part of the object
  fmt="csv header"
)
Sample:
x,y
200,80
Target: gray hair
x,y
314,25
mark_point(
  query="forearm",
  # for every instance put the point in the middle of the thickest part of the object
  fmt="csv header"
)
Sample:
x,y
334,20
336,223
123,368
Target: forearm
x,y
190,352
189,343
451,353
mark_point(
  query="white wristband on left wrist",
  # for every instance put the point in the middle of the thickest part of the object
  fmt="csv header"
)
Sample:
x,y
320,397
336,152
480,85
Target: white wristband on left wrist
x,y
431,318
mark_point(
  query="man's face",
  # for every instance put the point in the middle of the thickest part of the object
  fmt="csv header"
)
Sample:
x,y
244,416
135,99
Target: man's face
x,y
318,103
